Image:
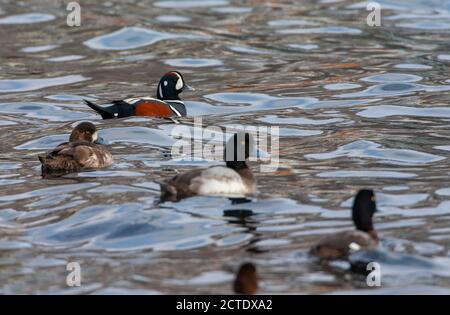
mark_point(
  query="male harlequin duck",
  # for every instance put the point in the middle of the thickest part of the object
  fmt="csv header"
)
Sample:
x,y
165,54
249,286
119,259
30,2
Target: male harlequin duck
x,y
83,151
246,281
340,245
234,179
166,105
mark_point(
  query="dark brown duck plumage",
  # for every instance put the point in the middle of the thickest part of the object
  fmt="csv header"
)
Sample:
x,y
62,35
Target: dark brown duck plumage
x,y
235,178
246,281
340,245
80,153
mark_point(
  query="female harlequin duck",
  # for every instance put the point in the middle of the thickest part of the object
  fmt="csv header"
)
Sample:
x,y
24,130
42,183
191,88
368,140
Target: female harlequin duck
x,y
166,105
83,151
235,179
340,245
246,281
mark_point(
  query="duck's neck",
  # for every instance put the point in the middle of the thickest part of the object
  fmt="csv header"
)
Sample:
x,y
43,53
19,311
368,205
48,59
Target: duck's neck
x,y
170,98
373,234
238,166
165,96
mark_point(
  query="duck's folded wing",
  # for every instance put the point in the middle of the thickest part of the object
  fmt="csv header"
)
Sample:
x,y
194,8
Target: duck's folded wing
x,y
90,155
179,185
85,154
341,244
58,159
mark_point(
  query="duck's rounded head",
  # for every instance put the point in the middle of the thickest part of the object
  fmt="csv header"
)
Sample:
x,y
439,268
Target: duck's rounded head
x,y
246,281
364,206
170,85
85,131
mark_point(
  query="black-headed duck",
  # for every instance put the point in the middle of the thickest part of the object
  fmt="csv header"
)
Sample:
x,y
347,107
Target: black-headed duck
x,y
246,281
233,179
341,244
83,151
167,103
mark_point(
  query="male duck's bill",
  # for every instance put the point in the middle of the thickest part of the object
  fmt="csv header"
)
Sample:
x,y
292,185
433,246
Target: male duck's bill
x,y
233,179
82,152
167,103
340,245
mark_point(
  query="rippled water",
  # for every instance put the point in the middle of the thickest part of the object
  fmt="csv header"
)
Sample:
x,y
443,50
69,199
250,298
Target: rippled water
x,y
357,106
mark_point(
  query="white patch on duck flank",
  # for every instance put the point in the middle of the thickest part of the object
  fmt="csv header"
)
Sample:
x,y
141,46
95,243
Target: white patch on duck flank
x,y
354,247
219,180
160,91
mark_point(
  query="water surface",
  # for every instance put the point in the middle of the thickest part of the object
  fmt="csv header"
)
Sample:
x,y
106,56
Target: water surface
x,y
356,107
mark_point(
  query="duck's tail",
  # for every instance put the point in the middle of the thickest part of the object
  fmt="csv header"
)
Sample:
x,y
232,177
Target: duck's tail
x,y
46,168
104,112
54,168
168,192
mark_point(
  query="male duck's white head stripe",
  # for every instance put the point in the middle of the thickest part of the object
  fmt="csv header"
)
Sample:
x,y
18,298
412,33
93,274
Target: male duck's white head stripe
x,y
180,82
179,85
160,91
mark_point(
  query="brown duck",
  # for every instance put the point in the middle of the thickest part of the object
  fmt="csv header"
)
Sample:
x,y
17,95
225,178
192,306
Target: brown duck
x,y
340,245
246,281
83,151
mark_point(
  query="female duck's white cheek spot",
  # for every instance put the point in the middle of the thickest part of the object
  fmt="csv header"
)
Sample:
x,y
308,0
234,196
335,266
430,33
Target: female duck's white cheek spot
x,y
165,83
179,85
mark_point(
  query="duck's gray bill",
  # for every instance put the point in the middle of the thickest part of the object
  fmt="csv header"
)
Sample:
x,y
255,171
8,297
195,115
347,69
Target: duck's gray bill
x,y
188,88
100,140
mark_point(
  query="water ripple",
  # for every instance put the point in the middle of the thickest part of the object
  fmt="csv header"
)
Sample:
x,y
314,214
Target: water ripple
x,y
369,149
20,85
131,38
27,18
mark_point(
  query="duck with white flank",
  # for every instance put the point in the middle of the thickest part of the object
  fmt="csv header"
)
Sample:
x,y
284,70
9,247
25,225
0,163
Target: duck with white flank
x,y
234,179
340,245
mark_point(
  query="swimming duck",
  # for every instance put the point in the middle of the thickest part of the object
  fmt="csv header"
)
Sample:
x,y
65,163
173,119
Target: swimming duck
x,y
246,281
234,179
167,103
83,151
340,245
